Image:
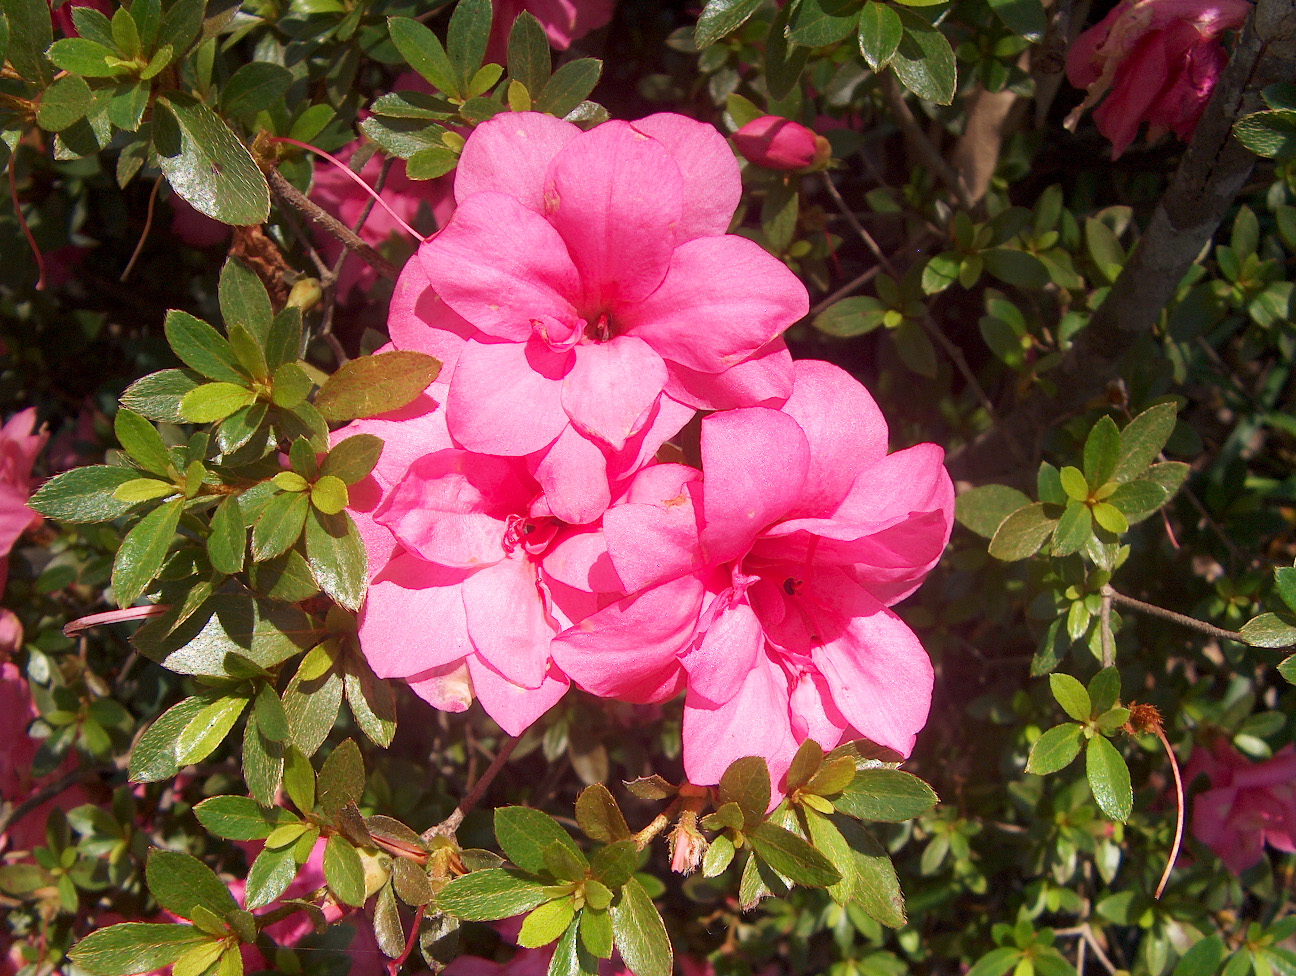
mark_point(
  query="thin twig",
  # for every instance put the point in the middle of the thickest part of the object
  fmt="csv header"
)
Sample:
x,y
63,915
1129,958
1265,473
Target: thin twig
x,y
1085,933
148,225
294,197
49,791
913,132
1179,618
1105,629
451,823
847,289
1179,810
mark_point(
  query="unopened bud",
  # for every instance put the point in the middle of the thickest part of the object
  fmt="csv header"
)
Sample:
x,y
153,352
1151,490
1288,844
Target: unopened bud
x,y
687,844
305,294
778,143
377,871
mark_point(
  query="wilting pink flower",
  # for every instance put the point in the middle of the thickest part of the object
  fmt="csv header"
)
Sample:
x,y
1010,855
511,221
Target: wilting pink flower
x,y
62,17
1247,805
803,532
1156,61
587,299
563,21
20,443
777,143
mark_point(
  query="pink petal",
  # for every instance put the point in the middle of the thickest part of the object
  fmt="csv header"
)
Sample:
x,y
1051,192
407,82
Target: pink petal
x,y
502,267
754,462
420,321
879,675
718,665
615,196
507,620
666,419
754,722
1138,83
712,182
764,380
843,426
579,559
511,154
513,706
628,650
745,296
814,716
448,688
413,618
653,537
506,397
573,474
611,388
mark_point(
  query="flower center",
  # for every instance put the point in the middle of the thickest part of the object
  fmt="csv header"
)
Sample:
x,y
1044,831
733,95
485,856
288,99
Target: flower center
x,y
599,330
531,533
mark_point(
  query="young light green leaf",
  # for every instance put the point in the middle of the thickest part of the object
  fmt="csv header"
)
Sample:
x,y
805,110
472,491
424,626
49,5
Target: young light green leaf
x,y
344,871
1109,778
1143,439
1055,749
546,922
1072,696
208,728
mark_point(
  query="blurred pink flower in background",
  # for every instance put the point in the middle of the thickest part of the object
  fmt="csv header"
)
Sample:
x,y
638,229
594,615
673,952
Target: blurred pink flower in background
x,y
20,442
1156,61
11,636
1248,804
62,17
778,143
564,21
194,228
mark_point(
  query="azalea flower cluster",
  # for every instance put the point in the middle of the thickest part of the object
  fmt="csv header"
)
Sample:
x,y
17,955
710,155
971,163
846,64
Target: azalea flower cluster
x,y
522,529
1246,804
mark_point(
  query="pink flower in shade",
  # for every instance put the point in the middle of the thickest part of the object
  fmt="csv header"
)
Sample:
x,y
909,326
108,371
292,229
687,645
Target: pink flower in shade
x,y
194,228
465,545
1156,61
803,531
587,298
777,143
20,442
11,633
1247,805
563,21
62,17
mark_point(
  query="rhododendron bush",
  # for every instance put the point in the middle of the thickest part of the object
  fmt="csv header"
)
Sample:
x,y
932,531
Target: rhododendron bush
x,y
579,487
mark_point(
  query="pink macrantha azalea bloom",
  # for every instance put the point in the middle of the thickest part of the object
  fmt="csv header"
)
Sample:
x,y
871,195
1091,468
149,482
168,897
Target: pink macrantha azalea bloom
x,y
1247,805
803,531
1156,61
471,573
587,299
20,442
563,21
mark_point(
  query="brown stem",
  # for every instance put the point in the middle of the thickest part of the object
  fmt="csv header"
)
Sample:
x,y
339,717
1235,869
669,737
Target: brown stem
x,y
1104,622
658,824
919,142
148,225
292,196
451,823
1178,618
1213,171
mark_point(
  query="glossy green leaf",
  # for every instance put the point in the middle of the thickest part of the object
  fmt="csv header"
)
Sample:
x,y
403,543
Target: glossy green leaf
x,y
153,758
1143,439
280,525
784,61
887,795
640,934
1269,630
467,39
569,86
1021,534
720,18
924,61
1072,696
344,871
423,52
1109,778
134,947
337,557
254,87
880,33
599,816
1102,452
1055,749
30,34
546,922
202,348
791,856
244,300
180,882
747,783
64,103
483,896
984,508
1074,529
85,494
816,23
228,539
529,61
237,818
142,551
1025,18
269,876
524,833
208,728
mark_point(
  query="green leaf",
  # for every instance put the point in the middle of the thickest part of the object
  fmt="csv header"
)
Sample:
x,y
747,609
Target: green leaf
x,y
483,896
1025,18
181,24
1110,518
614,864
202,348
423,52
596,932
271,718
1287,668
1136,500
1074,529
1055,749
129,101
1203,959
640,935
524,833
353,458
158,395
887,795
153,757
1074,483
880,33
546,922
849,317
134,947
312,706
337,557
570,85
1015,267
1104,248
142,551
283,342
280,525
214,401
1143,439
237,818
720,18
984,508
816,23
784,61
208,728
467,39
1072,696
205,163
1021,534
1102,452
341,778
1271,134
291,385
30,33
791,856
1104,690
598,815
180,882
1269,630
868,877
269,877
329,494
228,538
371,700
254,87
747,783
262,762
299,779
85,57
244,300
64,103
924,61
84,494
529,61
344,871
1109,779
373,385
996,962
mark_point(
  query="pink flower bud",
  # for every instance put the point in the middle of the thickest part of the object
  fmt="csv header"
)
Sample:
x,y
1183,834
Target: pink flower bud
x,y
777,143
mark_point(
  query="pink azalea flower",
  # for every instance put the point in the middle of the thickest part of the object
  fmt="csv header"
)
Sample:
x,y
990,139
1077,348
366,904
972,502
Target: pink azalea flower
x,y
20,442
593,299
1156,61
564,21
1248,804
62,17
778,143
468,541
803,531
